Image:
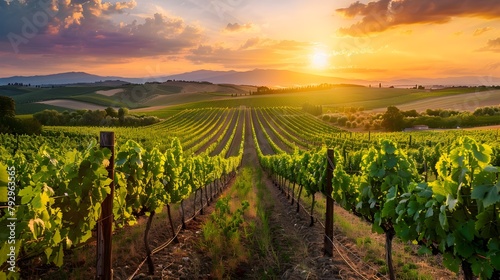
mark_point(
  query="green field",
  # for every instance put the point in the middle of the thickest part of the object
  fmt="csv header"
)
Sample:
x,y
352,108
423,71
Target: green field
x,y
163,99
367,98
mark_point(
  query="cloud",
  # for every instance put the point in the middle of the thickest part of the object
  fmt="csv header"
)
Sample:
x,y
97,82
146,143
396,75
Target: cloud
x,y
382,15
492,45
255,52
236,27
480,31
86,28
251,43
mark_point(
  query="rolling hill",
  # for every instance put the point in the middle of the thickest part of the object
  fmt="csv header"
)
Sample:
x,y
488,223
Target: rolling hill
x,y
257,77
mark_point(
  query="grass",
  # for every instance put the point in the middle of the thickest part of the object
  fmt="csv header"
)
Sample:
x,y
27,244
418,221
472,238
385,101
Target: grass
x,y
100,99
226,233
251,245
29,109
263,237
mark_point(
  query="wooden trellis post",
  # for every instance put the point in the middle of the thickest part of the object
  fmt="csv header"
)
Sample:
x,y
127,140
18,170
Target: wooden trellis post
x,y
105,223
328,239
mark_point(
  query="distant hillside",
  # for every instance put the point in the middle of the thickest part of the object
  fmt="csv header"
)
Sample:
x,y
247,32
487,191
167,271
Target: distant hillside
x,y
258,77
62,78
263,77
448,81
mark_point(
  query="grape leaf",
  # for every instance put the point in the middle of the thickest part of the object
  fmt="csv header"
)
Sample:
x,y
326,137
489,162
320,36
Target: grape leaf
x,y
451,262
488,195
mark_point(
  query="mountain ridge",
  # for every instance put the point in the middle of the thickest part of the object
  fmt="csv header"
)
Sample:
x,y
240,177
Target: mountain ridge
x,y
257,77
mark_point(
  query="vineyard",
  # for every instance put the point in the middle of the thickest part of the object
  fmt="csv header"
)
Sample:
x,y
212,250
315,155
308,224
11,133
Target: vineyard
x,y
440,190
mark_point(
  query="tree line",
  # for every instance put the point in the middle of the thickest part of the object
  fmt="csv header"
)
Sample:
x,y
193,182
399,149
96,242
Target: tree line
x,y
395,119
107,117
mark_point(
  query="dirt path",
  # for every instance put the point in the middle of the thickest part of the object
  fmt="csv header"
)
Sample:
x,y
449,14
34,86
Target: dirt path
x,y
297,246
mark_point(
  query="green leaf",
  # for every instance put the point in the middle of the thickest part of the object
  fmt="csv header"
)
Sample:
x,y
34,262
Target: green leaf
x,y
4,250
56,238
482,153
429,213
4,179
424,251
412,208
487,224
492,169
389,208
388,147
451,262
494,244
391,162
464,248
481,267
495,260
121,158
37,202
48,252
26,194
443,220
488,195
451,201
3,194
59,258
467,230
450,240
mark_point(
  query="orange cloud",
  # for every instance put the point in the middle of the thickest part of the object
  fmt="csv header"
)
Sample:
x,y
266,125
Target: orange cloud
x,y
236,27
492,45
382,15
255,52
480,31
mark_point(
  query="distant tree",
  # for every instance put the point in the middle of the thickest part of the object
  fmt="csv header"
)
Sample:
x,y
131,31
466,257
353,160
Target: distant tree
x,y
7,107
411,113
122,112
393,119
111,112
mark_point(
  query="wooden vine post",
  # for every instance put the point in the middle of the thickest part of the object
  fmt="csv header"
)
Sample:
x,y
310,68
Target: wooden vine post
x,y
105,223
328,239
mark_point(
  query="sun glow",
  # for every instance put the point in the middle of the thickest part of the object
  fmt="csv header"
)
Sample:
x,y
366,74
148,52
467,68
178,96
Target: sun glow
x,y
320,60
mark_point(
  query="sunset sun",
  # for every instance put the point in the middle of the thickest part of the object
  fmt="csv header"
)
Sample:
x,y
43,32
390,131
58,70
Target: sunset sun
x,y
320,60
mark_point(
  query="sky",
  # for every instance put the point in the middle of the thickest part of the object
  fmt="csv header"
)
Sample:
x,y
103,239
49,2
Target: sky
x,y
380,39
